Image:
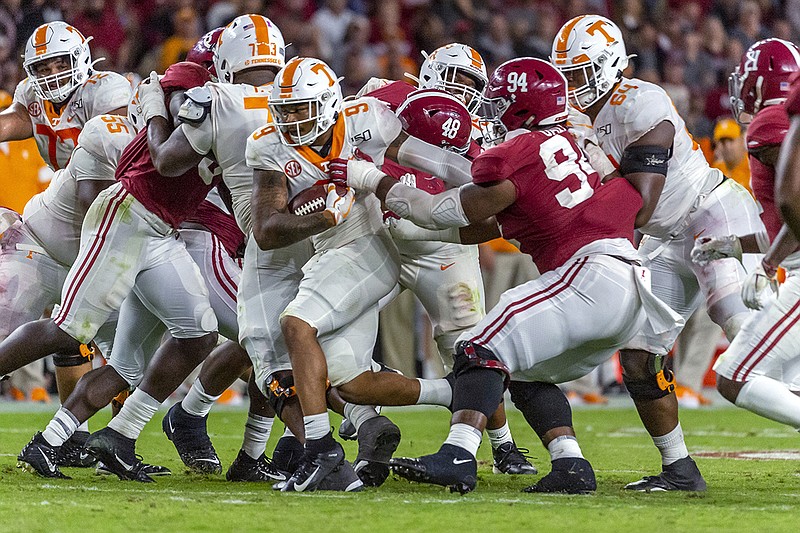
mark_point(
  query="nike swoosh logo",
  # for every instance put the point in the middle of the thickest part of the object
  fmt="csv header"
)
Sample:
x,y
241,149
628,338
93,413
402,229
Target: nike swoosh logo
x,y
300,487
171,428
696,235
445,267
123,463
50,465
461,461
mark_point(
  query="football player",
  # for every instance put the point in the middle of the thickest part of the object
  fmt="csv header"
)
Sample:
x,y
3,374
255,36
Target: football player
x,y
639,130
61,93
758,370
539,186
446,277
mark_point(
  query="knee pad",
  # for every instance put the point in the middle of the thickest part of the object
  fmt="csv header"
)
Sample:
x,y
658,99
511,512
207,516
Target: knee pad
x,y
660,382
66,360
478,389
543,405
281,388
469,356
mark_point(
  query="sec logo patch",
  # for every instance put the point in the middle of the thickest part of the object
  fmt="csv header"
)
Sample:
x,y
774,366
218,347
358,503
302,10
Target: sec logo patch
x,y
35,109
293,169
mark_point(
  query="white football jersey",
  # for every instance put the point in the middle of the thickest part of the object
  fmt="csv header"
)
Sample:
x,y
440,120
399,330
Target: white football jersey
x,y
236,112
56,133
364,123
53,216
635,108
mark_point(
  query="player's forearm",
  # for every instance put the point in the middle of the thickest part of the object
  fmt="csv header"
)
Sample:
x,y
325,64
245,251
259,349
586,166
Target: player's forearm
x,y
784,244
158,131
439,211
788,178
13,128
755,243
450,167
283,229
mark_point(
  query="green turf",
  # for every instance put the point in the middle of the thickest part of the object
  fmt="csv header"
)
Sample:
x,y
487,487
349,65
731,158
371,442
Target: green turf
x,y
742,496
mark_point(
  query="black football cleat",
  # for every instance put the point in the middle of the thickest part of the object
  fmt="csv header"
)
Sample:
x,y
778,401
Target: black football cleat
x,y
150,470
451,466
378,439
73,453
570,475
287,455
189,434
347,431
245,468
683,474
313,469
342,479
509,459
118,454
39,457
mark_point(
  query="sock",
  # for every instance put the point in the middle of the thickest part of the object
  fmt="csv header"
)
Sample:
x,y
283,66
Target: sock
x,y
771,399
84,426
671,446
287,432
60,428
435,392
464,436
499,436
197,401
316,426
256,434
564,446
139,408
358,414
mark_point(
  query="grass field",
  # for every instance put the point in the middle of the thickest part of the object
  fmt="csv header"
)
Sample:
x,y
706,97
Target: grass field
x,y
743,495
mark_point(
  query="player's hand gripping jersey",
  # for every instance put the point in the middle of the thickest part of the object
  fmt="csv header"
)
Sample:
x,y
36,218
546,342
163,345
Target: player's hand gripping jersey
x,y
366,124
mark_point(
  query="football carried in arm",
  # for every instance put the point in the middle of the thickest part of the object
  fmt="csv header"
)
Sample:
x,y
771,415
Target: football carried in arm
x,y
312,199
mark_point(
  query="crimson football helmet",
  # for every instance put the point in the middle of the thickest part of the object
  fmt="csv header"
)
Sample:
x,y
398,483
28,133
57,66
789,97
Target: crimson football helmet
x,y
438,118
202,52
762,77
523,93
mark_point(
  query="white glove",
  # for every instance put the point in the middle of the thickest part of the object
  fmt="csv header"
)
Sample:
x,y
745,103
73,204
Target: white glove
x,y
339,206
754,288
711,248
151,98
358,174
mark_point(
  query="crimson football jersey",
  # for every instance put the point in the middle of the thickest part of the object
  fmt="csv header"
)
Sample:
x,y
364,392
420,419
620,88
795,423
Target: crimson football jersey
x,y
793,101
561,204
221,224
768,128
172,199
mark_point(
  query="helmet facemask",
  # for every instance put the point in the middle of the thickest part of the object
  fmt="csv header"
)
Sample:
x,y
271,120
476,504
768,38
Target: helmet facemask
x,y
491,123
586,82
320,111
58,87
470,96
735,83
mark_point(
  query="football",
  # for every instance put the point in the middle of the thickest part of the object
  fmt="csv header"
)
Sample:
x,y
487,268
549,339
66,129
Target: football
x,y
312,199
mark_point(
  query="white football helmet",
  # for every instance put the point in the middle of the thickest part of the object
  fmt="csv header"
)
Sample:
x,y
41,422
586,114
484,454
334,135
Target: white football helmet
x,y
305,80
440,68
590,52
51,40
249,41
135,110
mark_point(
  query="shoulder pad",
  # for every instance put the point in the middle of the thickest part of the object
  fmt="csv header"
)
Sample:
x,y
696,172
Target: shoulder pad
x,y
197,105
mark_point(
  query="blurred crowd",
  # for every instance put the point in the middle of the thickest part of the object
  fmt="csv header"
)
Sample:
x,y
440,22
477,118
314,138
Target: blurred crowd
x,y
689,46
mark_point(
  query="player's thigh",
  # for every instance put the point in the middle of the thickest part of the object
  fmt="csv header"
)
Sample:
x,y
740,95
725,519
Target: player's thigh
x,y
557,316
447,281
138,336
29,283
673,279
270,280
342,283
176,293
221,274
348,350
768,342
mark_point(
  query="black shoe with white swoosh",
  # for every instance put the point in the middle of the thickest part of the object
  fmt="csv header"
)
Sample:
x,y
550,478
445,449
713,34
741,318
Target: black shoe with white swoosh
x,y
189,434
118,453
72,453
451,467
314,468
39,457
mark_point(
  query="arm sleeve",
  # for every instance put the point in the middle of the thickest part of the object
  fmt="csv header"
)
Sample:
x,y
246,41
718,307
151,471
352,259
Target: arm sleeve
x,y
450,167
200,136
431,211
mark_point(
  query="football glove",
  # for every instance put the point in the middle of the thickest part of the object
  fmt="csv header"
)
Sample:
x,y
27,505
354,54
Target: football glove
x,y
712,248
339,206
754,288
151,98
360,175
